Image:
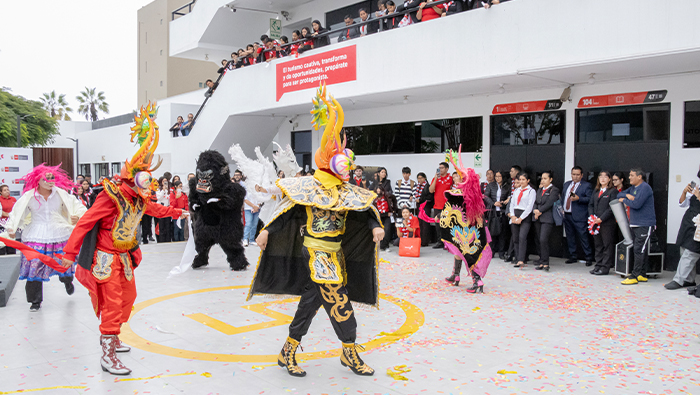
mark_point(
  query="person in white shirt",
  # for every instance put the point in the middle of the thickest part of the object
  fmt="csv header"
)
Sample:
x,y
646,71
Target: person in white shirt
x,y
165,225
521,204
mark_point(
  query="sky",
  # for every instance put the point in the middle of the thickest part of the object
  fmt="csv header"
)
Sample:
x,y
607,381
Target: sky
x,y
68,45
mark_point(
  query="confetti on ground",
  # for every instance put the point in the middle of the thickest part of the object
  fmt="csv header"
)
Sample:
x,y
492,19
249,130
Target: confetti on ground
x,y
396,374
503,371
160,376
77,387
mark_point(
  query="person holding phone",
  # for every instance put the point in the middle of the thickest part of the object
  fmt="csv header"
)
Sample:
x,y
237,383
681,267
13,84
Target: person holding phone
x,y
687,238
441,182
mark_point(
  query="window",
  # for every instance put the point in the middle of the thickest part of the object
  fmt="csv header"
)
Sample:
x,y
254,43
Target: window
x,y
626,123
101,170
116,168
85,169
301,144
691,125
416,137
528,129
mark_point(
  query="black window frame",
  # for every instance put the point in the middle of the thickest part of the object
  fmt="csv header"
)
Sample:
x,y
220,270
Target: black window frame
x,y
85,169
303,156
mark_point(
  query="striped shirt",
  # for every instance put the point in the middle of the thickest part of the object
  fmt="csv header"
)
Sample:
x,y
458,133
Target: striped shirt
x,y
404,191
419,189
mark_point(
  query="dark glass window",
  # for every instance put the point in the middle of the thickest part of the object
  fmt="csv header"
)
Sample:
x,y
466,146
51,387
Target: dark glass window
x,y
85,169
626,123
528,129
691,125
101,170
116,168
301,144
416,137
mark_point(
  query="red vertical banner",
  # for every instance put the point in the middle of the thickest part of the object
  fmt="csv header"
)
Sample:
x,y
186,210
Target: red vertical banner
x,y
331,67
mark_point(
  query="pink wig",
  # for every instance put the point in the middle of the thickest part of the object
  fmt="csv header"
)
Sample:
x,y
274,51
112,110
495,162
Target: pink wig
x,y
474,207
31,180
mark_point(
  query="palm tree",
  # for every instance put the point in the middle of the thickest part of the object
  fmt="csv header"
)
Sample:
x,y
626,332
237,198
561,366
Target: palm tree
x,y
91,102
57,107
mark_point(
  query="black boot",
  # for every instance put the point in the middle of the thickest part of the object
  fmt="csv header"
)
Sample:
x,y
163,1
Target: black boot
x,y
454,278
351,359
287,358
478,285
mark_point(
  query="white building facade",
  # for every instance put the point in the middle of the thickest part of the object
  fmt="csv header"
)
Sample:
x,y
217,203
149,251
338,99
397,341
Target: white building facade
x,y
628,73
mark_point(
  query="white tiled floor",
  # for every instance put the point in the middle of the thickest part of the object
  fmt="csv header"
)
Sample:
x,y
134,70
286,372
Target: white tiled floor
x,y
560,332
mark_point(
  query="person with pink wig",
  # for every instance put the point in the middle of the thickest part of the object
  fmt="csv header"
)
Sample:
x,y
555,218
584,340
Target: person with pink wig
x,y
46,213
462,225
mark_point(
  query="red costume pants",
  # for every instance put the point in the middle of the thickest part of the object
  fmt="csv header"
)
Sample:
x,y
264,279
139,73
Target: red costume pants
x,y
115,299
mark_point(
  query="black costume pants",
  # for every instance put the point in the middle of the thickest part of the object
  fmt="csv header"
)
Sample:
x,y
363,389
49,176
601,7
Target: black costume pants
x,y
333,298
35,289
542,240
642,234
604,243
146,231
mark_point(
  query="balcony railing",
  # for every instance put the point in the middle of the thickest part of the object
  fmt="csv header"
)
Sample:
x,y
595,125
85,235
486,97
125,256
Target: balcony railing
x,y
181,11
380,20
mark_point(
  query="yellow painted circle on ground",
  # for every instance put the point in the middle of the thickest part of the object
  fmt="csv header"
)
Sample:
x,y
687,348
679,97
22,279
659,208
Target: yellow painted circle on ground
x,y
414,320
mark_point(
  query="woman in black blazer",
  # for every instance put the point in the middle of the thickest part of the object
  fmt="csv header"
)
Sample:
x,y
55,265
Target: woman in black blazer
x,y
495,195
544,218
599,205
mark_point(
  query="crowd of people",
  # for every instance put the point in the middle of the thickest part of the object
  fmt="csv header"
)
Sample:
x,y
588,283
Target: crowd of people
x,y
518,205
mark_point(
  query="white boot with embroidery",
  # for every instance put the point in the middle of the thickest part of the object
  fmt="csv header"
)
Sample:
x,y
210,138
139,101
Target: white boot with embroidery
x,y
109,361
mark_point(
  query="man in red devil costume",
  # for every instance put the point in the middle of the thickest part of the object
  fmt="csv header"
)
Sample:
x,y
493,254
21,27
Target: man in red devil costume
x,y
106,237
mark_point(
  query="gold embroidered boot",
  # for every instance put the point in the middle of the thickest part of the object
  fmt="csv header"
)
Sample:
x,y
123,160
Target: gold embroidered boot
x,y
287,358
351,359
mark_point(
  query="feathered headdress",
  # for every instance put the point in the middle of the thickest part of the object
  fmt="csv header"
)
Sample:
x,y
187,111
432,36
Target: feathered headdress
x,y
331,156
146,135
474,207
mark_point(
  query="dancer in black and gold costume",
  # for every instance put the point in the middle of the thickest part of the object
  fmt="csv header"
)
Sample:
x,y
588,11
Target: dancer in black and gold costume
x,y
322,244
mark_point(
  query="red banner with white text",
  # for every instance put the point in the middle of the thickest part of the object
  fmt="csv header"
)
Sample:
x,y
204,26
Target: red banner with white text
x,y
332,67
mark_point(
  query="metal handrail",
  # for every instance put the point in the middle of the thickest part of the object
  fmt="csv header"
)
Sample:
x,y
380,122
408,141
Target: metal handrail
x,y
189,9
324,34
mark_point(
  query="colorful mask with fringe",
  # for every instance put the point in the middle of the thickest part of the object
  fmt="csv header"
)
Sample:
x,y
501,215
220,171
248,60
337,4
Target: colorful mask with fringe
x,y
138,170
332,156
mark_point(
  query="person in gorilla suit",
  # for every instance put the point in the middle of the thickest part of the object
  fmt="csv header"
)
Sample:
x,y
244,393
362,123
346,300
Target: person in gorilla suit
x,y
215,203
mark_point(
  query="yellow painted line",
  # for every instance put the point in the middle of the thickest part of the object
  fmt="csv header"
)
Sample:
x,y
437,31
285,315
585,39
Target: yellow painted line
x,y
160,376
414,320
75,387
260,308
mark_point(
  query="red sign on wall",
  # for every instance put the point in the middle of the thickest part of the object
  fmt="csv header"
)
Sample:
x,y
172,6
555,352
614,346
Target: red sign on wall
x,y
332,67
528,106
622,99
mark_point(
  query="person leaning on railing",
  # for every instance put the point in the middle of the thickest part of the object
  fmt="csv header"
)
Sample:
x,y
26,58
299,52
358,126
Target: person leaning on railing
x,y
309,43
320,40
426,12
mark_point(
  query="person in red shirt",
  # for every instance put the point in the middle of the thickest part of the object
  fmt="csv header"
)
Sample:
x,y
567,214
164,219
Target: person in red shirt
x,y
359,178
441,182
7,202
109,250
409,227
178,200
428,12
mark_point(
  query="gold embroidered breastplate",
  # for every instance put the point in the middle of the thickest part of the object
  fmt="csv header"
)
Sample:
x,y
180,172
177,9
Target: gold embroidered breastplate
x,y
325,223
126,224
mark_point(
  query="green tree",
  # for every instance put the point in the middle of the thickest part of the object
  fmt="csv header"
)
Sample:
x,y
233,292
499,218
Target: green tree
x,y
56,106
91,102
38,128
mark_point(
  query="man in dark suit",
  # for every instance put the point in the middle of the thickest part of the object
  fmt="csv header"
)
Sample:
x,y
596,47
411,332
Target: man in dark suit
x,y
577,194
544,220
351,31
